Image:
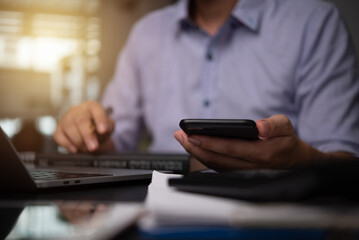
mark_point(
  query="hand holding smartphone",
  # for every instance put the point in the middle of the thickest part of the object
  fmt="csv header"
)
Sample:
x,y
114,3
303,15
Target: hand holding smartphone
x,y
228,128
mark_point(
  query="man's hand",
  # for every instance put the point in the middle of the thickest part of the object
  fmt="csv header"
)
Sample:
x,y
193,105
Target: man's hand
x,y
278,147
85,128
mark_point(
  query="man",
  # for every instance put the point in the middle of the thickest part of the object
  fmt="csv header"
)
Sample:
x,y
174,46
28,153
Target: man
x,y
288,63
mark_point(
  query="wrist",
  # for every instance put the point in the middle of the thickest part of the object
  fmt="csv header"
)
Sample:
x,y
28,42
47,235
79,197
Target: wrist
x,y
309,155
313,155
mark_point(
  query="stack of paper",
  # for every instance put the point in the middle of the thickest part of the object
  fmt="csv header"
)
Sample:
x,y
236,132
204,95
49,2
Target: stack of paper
x,y
170,209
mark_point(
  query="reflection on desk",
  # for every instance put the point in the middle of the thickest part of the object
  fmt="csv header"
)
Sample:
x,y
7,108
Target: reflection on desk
x,y
74,220
12,204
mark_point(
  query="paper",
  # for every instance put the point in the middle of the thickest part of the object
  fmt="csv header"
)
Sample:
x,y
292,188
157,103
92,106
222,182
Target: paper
x,y
168,206
165,202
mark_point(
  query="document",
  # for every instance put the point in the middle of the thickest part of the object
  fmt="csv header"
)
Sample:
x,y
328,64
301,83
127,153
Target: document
x,y
169,207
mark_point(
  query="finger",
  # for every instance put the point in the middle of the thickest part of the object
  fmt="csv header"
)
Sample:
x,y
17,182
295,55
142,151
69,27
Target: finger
x,y
99,116
102,138
275,126
68,129
63,141
218,161
85,127
236,148
73,134
210,158
180,136
260,152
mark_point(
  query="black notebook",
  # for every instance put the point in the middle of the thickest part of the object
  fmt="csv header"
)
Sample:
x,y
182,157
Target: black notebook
x,y
334,180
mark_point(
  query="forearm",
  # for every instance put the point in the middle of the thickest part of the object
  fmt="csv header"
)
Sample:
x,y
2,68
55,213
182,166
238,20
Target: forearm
x,y
312,155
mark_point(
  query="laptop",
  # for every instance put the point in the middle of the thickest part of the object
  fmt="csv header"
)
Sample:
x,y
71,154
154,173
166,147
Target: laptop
x,y
15,175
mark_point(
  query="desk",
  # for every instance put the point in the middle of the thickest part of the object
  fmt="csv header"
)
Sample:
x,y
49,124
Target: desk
x,y
11,204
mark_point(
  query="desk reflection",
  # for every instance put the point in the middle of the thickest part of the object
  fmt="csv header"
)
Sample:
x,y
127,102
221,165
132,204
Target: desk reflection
x,y
84,214
73,220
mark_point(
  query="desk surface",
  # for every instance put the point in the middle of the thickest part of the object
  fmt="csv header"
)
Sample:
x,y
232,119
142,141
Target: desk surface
x,y
11,204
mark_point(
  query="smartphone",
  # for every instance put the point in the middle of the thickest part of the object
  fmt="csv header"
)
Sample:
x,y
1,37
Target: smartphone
x,y
229,128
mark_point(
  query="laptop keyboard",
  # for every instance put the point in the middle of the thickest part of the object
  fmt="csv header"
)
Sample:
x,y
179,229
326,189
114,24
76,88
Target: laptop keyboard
x,y
47,175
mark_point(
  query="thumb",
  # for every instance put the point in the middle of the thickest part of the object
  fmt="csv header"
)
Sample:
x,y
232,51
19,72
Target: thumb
x,y
275,126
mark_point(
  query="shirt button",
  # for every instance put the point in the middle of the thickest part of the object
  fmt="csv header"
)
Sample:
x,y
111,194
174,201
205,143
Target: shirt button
x,y
209,56
206,103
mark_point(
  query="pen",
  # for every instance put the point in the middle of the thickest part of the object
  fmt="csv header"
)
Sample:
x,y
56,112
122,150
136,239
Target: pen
x,y
109,111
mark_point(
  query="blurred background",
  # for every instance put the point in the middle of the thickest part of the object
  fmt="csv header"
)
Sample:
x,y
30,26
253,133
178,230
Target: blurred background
x,y
58,53
55,54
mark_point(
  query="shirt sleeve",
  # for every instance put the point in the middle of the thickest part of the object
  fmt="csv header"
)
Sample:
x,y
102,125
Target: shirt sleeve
x,y
123,95
327,85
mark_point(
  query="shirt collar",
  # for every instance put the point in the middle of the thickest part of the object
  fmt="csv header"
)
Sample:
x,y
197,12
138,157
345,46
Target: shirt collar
x,y
248,12
182,11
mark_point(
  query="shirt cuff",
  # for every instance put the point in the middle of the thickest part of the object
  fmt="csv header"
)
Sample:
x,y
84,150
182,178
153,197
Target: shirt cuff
x,y
339,147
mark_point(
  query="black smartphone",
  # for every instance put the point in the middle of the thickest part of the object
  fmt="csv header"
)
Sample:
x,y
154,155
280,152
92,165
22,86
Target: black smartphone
x,y
230,128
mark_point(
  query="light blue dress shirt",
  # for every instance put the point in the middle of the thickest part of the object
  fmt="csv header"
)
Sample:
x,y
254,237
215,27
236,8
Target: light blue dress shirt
x,y
271,57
